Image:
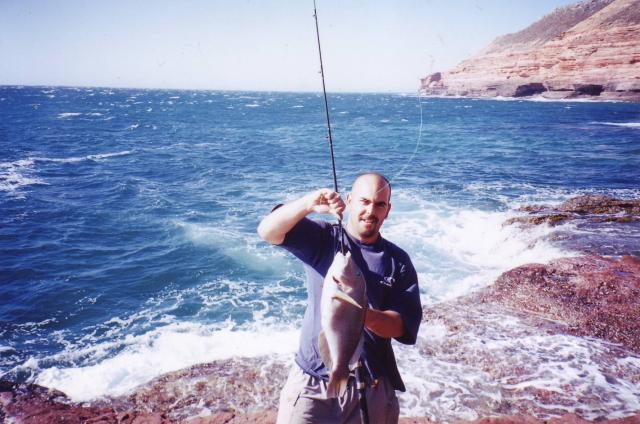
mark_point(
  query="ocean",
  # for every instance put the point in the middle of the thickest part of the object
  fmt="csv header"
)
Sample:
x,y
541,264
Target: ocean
x,y
128,243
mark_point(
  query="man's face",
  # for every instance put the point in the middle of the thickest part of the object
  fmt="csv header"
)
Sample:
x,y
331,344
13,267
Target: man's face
x,y
369,206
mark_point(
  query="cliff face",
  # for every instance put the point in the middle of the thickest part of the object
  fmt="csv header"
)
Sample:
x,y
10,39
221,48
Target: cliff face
x,y
590,49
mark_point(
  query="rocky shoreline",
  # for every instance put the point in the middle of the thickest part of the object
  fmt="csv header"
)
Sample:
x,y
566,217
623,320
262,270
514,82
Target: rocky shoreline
x,y
33,404
589,50
590,301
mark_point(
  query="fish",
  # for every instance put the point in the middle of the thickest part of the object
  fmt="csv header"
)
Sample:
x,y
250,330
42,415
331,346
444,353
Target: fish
x,y
343,307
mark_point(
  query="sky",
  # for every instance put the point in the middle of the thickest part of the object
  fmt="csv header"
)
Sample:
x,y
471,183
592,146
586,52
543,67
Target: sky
x,y
265,45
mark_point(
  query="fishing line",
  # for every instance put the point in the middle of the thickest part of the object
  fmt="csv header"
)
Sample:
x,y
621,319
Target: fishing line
x,y
418,140
415,150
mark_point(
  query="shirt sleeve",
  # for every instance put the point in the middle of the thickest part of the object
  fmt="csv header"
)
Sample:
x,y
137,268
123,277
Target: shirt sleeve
x,y
309,241
406,302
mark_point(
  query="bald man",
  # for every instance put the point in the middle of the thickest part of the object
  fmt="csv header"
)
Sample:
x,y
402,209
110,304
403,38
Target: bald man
x,y
392,290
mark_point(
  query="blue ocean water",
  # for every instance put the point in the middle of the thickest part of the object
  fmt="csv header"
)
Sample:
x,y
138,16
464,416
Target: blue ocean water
x,y
128,244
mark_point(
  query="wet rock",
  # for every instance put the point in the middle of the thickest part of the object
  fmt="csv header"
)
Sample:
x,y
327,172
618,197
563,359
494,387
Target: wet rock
x,y
550,219
590,204
517,348
264,417
519,419
27,403
595,296
242,385
33,404
591,208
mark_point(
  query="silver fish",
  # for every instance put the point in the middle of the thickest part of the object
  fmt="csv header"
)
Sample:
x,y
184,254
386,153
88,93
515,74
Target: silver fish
x,y
343,306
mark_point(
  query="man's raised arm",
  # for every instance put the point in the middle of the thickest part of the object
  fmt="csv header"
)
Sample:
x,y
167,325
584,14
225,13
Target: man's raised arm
x,y
275,226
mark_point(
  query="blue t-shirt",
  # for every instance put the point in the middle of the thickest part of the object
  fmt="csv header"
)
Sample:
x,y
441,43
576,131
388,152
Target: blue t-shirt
x,y
392,284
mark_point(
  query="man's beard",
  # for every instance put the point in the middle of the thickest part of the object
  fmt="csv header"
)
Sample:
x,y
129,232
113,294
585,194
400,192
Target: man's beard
x,y
366,233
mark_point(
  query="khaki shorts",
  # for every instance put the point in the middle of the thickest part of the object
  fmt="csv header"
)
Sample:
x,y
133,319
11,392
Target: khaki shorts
x,y
303,400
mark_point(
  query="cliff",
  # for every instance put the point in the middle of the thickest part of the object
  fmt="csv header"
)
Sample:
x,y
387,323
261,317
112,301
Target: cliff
x,y
587,50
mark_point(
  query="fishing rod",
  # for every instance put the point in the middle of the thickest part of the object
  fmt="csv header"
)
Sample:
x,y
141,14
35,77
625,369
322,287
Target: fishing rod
x,y
326,109
360,384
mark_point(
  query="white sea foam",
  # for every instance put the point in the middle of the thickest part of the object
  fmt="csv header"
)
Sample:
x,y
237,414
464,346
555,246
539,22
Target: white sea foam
x,y
252,105
76,159
620,124
166,349
68,114
109,155
17,174
582,100
21,173
6,349
542,99
244,249
458,250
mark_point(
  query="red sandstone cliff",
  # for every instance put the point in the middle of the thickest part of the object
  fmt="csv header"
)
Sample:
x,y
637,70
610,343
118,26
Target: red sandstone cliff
x,y
589,49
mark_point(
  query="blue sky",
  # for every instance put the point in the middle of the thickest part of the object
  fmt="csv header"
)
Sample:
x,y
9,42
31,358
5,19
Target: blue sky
x,y
371,45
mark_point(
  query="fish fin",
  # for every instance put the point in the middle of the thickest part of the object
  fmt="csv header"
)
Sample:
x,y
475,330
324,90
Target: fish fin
x,y
337,385
345,298
323,349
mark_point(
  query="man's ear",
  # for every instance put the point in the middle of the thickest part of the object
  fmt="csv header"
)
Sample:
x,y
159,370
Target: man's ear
x,y
348,198
388,210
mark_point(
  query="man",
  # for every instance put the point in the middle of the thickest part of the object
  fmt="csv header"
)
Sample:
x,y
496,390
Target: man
x,y
392,289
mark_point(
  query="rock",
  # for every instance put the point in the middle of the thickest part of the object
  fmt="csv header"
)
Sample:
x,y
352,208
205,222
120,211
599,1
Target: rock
x,y
205,388
588,89
550,219
530,89
592,207
595,296
525,345
415,420
153,418
600,205
432,80
589,49
519,419
32,404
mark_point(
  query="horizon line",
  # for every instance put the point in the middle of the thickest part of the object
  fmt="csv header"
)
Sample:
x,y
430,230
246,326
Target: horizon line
x,y
319,91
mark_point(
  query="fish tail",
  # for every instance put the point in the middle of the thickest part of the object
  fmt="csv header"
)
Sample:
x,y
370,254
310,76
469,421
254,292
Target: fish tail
x,y
337,385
